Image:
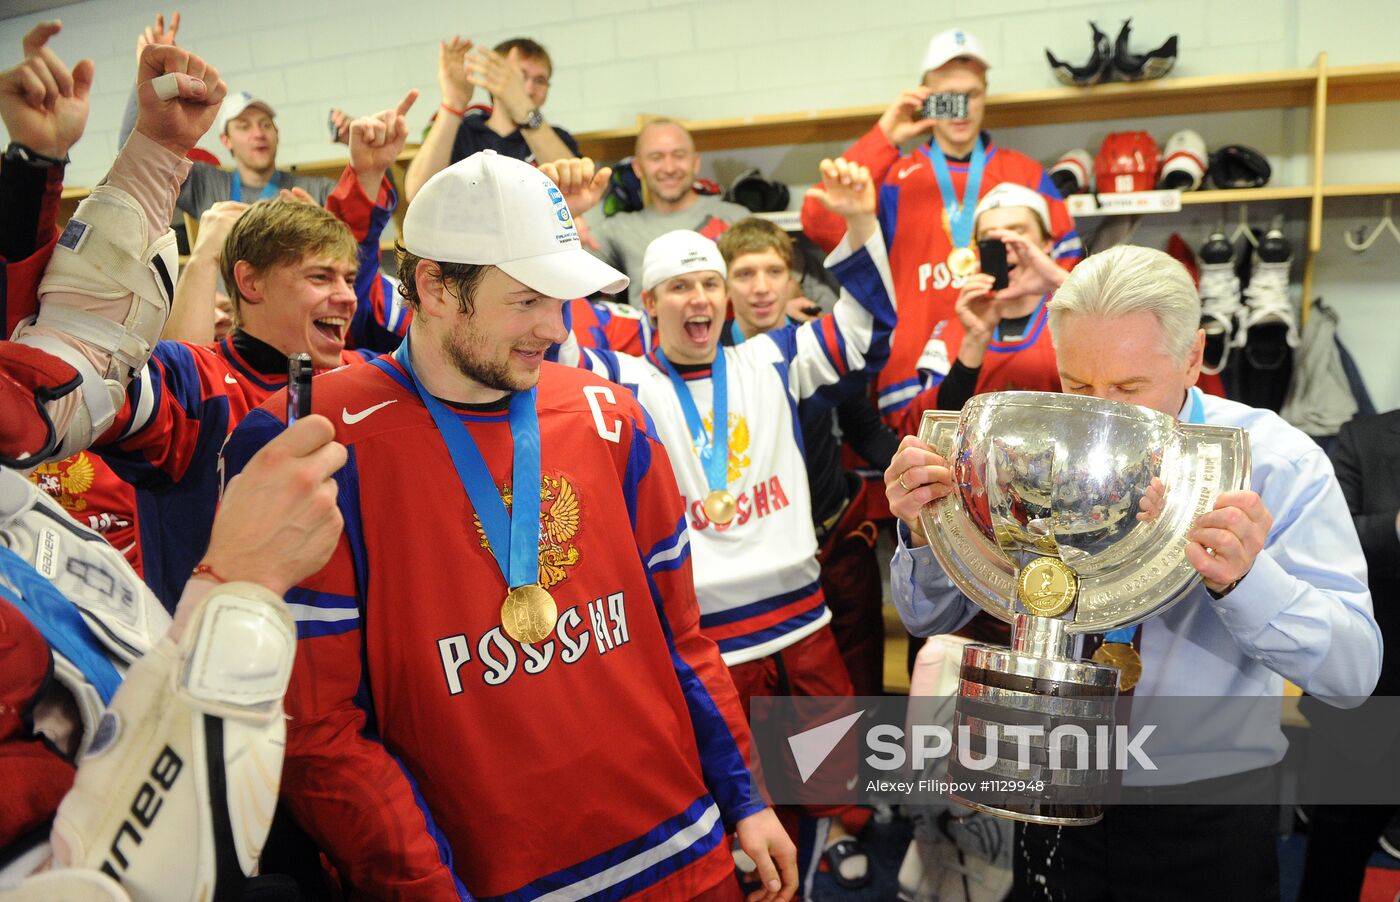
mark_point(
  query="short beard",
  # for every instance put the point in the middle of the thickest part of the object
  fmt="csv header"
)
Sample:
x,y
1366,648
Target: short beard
x,y
494,376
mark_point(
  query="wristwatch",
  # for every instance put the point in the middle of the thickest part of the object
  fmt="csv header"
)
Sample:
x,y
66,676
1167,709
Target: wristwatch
x,y
28,156
533,120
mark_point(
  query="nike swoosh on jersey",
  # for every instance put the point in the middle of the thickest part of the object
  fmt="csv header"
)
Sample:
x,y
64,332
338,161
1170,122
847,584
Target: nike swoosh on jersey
x,y
350,419
229,379
906,172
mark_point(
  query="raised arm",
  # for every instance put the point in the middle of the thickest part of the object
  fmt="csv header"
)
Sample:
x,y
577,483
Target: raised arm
x,y
853,340
436,151
107,291
490,70
44,107
157,33
365,203
192,314
877,151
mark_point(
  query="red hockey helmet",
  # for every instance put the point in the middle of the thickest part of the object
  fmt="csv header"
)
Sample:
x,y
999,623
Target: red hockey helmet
x,y
1127,161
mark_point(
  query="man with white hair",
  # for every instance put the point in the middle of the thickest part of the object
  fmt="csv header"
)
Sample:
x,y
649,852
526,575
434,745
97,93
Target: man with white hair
x,y
928,198
1283,597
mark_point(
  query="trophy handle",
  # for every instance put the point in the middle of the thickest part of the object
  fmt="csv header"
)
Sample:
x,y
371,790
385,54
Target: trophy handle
x,y
970,557
939,430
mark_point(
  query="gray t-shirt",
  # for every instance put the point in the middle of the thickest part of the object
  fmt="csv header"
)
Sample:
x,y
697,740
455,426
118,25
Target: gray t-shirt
x,y
207,185
623,237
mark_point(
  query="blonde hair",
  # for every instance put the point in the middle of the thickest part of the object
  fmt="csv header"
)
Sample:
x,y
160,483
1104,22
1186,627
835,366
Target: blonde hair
x,y
1128,279
280,233
752,235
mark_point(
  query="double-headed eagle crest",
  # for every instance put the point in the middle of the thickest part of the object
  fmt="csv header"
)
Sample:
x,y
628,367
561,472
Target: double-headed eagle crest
x,y
559,523
66,480
738,442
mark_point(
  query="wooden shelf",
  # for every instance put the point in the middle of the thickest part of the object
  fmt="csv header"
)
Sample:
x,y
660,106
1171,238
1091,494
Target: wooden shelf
x,y
1279,89
1166,97
1374,189
1246,195
1363,84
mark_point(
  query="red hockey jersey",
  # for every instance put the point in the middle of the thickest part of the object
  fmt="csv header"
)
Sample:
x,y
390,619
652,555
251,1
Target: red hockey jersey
x,y
179,410
432,756
911,215
92,493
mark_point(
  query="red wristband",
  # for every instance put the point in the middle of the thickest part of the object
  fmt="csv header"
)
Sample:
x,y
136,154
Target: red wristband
x,y
453,110
205,570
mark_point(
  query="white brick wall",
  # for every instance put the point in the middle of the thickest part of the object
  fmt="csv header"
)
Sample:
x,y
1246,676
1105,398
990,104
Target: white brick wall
x,y
615,58
702,59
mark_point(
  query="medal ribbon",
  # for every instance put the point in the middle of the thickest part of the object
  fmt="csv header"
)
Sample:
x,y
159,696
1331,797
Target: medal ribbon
x,y
713,448
269,190
960,210
514,536
1196,414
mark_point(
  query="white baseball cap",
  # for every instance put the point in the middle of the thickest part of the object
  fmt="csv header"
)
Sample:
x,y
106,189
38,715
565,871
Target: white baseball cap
x,y
677,253
491,210
236,105
951,44
1010,194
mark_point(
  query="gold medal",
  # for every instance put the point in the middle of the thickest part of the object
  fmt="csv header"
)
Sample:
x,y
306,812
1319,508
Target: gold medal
x,y
1047,586
529,614
719,507
963,262
1125,658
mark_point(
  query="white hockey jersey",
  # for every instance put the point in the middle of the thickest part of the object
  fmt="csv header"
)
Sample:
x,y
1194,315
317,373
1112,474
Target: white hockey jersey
x,y
757,576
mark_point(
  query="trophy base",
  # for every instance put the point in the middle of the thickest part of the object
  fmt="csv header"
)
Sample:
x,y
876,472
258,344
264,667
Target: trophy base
x,y
1037,727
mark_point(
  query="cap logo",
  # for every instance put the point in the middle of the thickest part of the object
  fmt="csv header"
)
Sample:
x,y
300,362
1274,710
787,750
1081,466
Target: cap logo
x,y
693,257
567,232
959,38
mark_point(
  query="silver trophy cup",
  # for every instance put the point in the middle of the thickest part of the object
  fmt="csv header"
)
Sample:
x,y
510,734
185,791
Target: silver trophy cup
x,y
1069,517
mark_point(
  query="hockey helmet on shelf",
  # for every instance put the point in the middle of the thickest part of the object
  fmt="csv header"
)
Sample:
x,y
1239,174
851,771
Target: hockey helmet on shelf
x,y
760,195
1127,161
1073,172
1238,166
1184,161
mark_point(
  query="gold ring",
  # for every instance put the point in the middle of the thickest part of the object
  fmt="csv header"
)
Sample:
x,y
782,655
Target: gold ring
x,y
900,480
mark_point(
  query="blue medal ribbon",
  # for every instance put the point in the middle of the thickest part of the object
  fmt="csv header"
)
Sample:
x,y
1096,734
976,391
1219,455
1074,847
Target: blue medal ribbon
x,y
268,192
514,536
961,211
1124,635
60,623
713,448
1196,414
